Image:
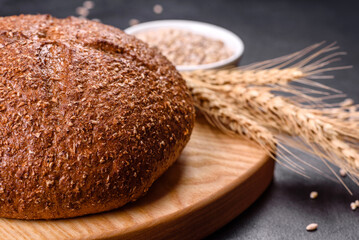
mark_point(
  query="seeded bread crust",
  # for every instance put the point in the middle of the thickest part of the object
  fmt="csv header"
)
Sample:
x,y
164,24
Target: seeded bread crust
x,y
90,117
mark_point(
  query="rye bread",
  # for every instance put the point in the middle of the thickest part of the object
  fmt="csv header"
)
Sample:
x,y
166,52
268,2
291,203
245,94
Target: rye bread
x,y
90,117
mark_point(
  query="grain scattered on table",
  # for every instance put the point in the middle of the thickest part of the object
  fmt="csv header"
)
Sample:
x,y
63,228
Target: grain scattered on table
x,y
312,227
133,22
342,172
313,195
89,4
158,9
353,206
82,11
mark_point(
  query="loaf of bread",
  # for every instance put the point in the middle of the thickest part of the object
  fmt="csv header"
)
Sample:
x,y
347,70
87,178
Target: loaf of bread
x,y
90,117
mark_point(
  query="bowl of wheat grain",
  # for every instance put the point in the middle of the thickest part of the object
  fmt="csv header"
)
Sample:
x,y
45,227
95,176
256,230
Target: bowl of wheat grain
x,y
191,45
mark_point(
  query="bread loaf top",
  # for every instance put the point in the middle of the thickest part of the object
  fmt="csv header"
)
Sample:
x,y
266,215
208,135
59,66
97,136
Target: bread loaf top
x,y
89,116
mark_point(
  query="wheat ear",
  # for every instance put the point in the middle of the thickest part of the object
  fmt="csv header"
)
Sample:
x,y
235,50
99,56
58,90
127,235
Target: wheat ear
x,y
222,114
283,115
328,130
301,67
329,134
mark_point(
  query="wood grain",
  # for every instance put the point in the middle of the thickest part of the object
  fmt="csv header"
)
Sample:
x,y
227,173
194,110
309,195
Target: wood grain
x,y
215,179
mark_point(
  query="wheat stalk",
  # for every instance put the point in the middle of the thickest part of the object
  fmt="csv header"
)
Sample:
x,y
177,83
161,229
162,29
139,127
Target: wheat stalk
x,y
240,100
329,133
221,113
282,115
224,116
280,71
240,76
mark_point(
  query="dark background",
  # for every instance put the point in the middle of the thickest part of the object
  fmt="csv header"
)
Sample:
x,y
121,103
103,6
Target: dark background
x,y
269,29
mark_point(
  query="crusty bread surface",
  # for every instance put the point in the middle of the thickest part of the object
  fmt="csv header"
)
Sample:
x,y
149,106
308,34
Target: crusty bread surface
x,y
90,117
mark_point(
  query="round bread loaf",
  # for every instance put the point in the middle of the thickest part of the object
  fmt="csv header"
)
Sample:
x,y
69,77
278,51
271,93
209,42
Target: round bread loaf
x,y
90,117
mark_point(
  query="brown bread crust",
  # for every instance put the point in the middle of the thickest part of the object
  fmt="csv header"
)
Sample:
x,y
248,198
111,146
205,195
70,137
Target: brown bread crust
x,y
90,117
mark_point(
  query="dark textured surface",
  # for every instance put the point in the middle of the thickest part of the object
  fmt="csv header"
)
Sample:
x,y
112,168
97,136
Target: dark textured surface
x,y
269,29
88,121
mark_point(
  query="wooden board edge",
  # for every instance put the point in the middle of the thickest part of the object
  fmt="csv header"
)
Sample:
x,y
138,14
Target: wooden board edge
x,y
207,216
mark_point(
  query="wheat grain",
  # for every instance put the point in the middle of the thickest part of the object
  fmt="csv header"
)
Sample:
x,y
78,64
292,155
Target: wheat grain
x,y
184,47
312,227
353,206
158,9
313,195
89,4
342,172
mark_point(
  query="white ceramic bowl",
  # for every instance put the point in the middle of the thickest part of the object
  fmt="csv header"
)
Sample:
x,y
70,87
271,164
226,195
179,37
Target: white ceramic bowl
x,y
231,40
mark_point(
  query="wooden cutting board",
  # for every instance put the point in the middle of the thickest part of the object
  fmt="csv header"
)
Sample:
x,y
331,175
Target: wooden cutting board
x,y
215,179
